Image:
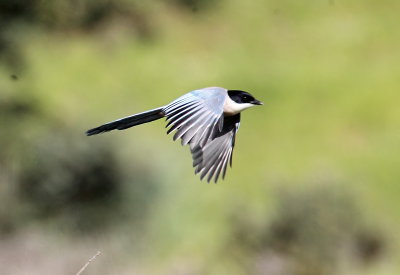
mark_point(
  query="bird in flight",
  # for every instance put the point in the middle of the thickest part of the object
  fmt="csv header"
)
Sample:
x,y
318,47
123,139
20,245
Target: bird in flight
x,y
206,119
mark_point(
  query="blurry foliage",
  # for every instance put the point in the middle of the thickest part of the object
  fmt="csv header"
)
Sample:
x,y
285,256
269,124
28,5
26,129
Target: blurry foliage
x,y
62,16
68,14
59,174
76,15
312,232
196,5
304,217
51,173
14,110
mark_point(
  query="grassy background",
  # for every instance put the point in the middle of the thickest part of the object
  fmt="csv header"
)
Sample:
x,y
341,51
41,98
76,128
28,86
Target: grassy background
x,y
315,181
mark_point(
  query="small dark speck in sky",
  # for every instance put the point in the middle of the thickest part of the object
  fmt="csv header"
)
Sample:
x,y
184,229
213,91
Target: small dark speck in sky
x,y
14,77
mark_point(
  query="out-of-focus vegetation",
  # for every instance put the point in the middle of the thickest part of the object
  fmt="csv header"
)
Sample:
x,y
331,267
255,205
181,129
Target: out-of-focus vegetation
x,y
315,182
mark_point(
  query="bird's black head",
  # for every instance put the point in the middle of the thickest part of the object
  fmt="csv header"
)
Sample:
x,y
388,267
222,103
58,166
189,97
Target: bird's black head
x,y
243,97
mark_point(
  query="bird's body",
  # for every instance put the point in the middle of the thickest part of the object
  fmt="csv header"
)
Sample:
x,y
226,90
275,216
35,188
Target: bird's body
x,y
206,119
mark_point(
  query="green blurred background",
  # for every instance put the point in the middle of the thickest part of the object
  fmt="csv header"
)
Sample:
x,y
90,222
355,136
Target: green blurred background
x,y
316,176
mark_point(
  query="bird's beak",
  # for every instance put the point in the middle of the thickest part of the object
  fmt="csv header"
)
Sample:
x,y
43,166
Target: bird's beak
x,y
256,102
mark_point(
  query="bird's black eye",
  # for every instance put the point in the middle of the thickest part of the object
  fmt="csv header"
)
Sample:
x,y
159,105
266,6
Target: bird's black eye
x,y
246,98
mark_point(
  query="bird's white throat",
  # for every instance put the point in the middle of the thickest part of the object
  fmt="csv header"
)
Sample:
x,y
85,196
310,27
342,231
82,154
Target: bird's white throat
x,y
232,108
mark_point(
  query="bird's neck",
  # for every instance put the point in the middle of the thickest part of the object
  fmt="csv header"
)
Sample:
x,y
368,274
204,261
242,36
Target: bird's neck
x,y
232,108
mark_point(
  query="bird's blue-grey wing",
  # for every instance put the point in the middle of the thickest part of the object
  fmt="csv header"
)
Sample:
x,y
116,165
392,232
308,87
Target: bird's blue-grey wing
x,y
212,158
196,116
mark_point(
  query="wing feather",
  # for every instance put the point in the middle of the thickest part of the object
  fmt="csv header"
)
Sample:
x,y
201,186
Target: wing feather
x,y
177,114
193,124
185,117
198,120
195,133
191,114
212,159
222,163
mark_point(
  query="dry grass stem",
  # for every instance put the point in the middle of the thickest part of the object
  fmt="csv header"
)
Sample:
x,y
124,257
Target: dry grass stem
x,y
88,263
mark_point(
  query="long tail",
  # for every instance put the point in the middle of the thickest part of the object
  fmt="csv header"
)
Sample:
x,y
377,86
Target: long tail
x,y
128,122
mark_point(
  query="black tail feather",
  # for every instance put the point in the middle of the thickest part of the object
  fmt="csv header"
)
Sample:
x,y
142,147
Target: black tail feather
x,y
128,122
